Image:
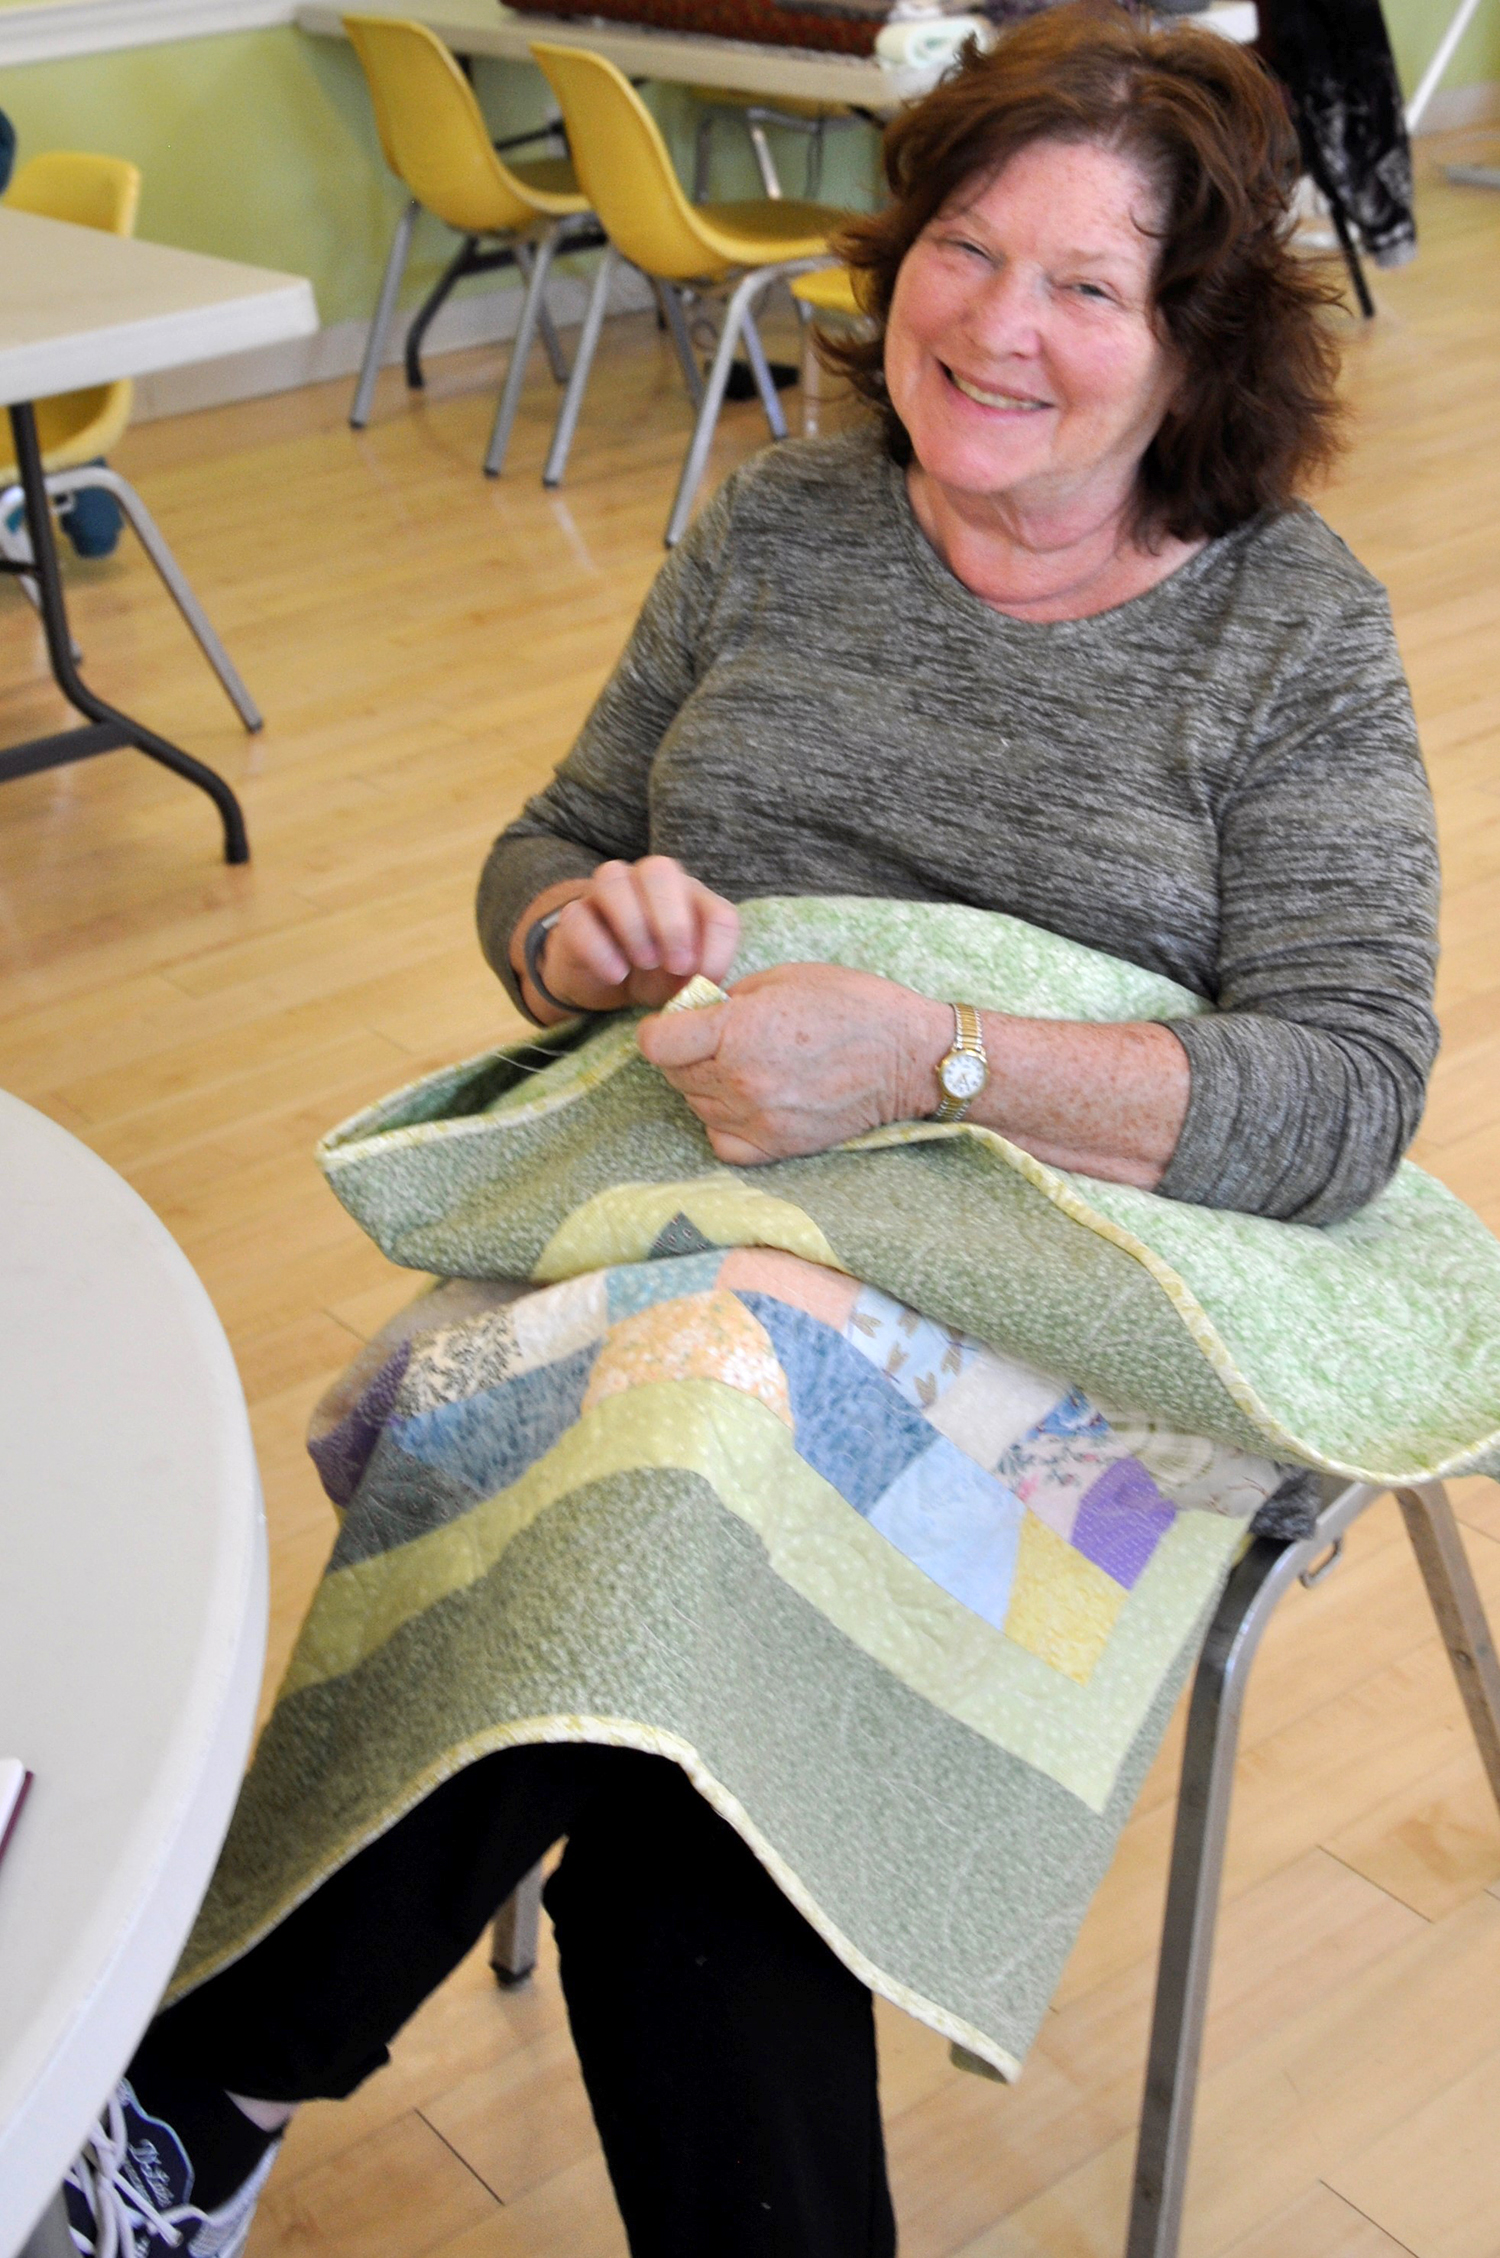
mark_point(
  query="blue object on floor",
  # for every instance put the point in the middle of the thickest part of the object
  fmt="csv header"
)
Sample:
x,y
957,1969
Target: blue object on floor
x,y
92,522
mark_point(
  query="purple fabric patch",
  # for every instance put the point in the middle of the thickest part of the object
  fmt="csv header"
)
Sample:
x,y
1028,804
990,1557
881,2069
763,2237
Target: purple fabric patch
x,y
342,1454
1121,1520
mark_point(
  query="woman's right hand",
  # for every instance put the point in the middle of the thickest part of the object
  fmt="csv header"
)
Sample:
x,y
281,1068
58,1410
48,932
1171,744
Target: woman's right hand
x,y
633,933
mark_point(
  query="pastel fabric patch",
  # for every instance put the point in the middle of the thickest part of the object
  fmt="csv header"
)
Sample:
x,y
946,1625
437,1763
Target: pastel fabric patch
x,y
921,1359
958,1525
710,1336
1121,1519
851,1424
1063,1608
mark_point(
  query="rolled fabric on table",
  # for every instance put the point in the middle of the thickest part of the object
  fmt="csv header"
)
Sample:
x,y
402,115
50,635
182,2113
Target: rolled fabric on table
x,y
924,40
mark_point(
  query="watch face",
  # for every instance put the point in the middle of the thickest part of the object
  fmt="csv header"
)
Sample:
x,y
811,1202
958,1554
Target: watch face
x,y
963,1074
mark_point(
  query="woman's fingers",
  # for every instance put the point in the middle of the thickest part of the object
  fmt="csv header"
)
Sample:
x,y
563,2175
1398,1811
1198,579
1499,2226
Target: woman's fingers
x,y
719,934
617,897
661,919
676,1041
636,934
668,897
589,945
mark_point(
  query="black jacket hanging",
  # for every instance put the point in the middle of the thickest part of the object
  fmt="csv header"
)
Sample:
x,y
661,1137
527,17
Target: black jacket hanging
x,y
1334,58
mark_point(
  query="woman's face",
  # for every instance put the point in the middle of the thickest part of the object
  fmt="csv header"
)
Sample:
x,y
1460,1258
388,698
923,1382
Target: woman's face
x,y
1021,352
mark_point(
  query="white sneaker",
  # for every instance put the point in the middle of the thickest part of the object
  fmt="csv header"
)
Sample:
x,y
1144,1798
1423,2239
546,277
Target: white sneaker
x,y
128,2192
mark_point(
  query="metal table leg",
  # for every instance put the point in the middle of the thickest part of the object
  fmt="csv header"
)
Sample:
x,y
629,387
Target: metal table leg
x,y
106,728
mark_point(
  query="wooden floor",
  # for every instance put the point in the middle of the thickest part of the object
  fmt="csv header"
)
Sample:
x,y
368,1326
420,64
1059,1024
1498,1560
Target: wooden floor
x,y
425,645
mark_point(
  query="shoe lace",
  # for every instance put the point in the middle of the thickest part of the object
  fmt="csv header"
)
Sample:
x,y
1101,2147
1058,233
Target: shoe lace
x,y
118,2205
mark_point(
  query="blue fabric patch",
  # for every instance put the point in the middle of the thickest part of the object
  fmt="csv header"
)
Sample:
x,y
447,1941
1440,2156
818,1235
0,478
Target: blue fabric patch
x,y
852,1425
958,1525
640,1285
1074,1415
487,1441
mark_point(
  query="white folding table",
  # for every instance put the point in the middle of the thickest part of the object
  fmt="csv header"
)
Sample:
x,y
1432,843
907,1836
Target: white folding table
x,y
737,66
79,307
132,1631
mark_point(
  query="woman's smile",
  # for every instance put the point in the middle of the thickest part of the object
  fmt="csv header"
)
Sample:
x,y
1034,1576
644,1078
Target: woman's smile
x,y
1012,402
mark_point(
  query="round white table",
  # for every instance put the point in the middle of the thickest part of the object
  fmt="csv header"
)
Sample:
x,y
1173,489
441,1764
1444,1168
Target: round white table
x,y
132,1631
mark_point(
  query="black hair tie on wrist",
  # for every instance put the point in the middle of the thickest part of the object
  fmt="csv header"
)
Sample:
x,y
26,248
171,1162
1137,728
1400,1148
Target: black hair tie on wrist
x,y
537,936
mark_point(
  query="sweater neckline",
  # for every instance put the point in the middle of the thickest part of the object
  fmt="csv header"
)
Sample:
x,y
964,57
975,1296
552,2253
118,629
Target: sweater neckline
x,y
946,583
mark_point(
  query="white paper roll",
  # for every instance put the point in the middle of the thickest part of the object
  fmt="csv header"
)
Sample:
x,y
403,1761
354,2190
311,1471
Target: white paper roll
x,y
923,41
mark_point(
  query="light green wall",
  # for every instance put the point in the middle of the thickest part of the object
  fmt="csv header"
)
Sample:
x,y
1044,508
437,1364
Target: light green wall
x,y
259,145
1416,26
256,145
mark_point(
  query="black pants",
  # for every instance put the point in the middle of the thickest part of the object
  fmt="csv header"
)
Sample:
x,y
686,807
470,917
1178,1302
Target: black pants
x,y
729,2056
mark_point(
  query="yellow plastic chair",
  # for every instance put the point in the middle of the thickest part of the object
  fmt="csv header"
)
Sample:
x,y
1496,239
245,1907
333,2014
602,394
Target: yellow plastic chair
x,y
828,291
435,139
627,175
76,428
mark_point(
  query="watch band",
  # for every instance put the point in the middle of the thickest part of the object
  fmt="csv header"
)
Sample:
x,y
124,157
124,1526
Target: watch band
x,y
968,1040
537,935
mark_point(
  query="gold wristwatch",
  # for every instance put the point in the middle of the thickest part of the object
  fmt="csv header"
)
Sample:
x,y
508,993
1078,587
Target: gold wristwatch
x,y
963,1071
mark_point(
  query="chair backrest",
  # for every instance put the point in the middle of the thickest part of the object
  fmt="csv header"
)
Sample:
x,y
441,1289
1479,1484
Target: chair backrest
x,y
431,128
90,191
65,184
623,166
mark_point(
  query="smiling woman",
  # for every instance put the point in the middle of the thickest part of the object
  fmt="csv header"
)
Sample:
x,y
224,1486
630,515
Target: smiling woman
x,y
1052,639
1073,648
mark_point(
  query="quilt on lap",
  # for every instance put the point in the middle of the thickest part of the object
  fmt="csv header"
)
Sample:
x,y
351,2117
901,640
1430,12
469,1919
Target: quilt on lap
x,y
1368,1349
909,1611
761,1470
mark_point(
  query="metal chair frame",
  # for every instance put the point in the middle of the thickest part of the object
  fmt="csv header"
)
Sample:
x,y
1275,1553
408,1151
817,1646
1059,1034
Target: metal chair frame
x,y
475,255
756,116
62,485
707,394
1268,1569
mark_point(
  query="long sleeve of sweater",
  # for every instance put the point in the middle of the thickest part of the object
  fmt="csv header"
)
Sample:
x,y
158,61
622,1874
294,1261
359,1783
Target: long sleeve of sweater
x,y
1220,780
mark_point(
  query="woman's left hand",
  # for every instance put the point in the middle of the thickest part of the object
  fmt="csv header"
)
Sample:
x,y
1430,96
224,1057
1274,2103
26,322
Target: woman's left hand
x,y
800,1058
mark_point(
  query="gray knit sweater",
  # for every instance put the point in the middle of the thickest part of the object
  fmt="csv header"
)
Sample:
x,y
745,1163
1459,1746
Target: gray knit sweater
x,y
1219,779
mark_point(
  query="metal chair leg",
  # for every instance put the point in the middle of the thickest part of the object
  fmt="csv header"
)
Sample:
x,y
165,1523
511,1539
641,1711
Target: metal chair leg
x,y
702,156
760,368
1456,1603
1255,1585
513,1935
742,301
765,163
385,307
557,359
583,362
148,533
537,267
817,142
669,298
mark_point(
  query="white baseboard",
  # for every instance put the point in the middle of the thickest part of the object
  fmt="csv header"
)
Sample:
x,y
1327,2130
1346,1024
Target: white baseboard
x,y
1454,107
51,30
488,318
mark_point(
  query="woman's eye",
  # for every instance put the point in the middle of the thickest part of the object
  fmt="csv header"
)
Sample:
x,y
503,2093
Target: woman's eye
x,y
1094,290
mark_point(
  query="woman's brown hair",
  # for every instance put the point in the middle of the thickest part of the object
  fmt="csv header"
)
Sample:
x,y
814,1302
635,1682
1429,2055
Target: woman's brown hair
x,y
1256,412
